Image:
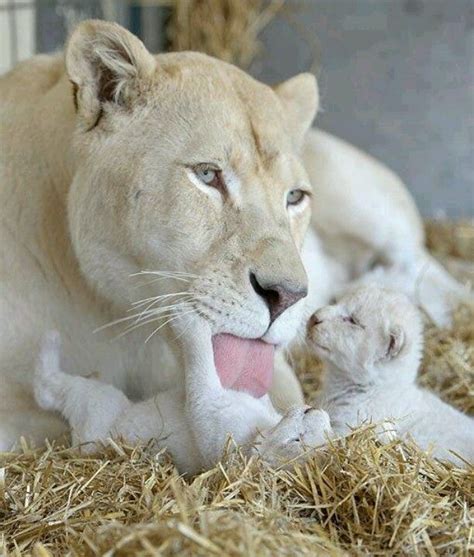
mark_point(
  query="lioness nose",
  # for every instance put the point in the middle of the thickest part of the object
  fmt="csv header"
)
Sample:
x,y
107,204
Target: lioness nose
x,y
278,297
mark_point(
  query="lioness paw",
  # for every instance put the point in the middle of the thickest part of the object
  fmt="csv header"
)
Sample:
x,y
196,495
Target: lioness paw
x,y
299,431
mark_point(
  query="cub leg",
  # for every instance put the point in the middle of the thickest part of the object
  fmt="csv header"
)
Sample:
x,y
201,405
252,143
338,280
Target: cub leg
x,y
286,390
96,411
196,436
214,412
90,407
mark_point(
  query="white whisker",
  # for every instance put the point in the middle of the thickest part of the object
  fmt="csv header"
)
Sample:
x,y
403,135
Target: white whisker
x,y
189,297
150,282
165,275
180,314
150,308
155,311
177,275
146,322
139,303
165,309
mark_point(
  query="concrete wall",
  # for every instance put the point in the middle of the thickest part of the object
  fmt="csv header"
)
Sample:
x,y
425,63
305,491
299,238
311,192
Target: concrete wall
x,y
396,79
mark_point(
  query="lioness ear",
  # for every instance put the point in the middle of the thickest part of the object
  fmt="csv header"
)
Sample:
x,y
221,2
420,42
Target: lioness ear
x,y
395,342
105,64
300,98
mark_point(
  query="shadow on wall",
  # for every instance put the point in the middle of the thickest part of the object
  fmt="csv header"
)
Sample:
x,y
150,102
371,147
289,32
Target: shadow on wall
x,y
396,79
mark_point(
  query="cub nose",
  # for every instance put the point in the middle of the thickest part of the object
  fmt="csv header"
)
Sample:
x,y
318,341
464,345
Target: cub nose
x,y
278,297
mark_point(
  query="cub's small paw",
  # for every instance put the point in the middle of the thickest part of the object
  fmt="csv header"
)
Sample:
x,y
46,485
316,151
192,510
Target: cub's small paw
x,y
299,431
47,381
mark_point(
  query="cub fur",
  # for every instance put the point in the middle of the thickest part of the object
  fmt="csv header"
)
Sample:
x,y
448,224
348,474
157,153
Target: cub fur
x,y
371,342
193,433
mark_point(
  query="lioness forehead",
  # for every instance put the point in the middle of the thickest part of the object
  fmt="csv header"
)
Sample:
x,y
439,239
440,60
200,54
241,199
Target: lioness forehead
x,y
212,91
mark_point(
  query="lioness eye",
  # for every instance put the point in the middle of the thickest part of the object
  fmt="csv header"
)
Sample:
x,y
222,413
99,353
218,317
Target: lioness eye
x,y
295,197
209,175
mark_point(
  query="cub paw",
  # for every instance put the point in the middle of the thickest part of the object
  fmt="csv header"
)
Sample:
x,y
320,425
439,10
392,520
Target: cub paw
x,y
299,431
47,381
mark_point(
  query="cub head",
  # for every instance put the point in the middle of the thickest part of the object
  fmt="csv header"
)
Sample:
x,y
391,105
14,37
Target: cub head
x,y
188,167
370,334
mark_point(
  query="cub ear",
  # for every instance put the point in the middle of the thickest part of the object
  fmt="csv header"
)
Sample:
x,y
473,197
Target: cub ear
x,y
300,98
105,64
395,343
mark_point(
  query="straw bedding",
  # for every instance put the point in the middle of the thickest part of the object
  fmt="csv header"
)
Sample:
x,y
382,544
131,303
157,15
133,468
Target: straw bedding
x,y
227,29
360,498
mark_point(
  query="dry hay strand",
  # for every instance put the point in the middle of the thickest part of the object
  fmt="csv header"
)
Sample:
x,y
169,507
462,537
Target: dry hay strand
x,y
365,498
226,29
448,363
447,238
360,498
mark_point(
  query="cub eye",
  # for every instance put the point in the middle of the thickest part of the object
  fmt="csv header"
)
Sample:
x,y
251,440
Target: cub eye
x,y
209,175
295,197
352,320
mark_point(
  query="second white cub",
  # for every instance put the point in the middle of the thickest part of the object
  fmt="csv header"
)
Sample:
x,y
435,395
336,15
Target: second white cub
x,y
371,342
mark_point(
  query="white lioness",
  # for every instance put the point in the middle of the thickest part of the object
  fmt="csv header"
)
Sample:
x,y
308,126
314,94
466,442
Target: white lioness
x,y
114,162
371,342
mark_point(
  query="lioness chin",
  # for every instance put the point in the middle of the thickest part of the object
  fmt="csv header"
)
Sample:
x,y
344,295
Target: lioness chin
x,y
172,185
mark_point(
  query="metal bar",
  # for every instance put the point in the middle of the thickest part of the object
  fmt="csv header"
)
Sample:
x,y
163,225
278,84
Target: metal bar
x,y
13,37
19,6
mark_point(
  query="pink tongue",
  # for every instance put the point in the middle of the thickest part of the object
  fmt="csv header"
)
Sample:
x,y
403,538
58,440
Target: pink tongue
x,y
243,364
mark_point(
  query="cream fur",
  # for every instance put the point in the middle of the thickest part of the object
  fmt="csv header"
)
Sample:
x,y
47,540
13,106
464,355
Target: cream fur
x,y
371,343
192,424
92,195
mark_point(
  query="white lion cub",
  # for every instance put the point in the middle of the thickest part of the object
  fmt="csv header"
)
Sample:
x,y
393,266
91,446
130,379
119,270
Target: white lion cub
x,y
371,343
193,433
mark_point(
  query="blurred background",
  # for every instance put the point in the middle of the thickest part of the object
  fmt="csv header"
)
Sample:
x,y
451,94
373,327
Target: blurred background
x,y
396,76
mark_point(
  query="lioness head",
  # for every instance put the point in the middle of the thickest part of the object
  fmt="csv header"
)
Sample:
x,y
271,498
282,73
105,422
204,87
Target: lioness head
x,y
186,165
